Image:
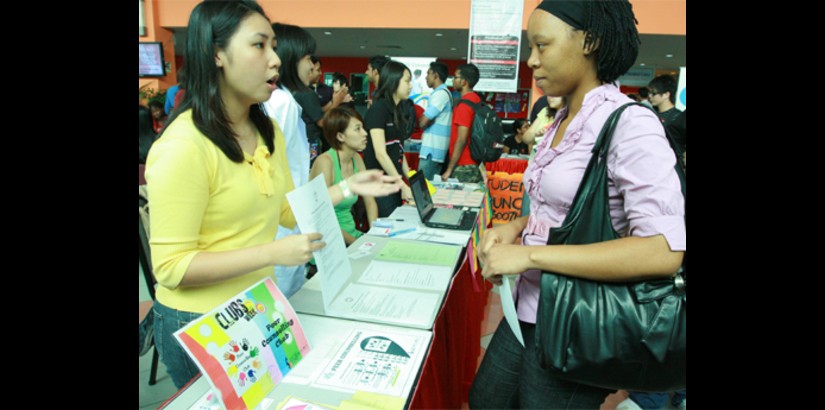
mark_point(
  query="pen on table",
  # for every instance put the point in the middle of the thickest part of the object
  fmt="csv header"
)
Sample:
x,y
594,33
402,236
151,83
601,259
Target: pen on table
x,y
403,231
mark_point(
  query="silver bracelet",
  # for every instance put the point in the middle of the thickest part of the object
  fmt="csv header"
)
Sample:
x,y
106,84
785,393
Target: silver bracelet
x,y
344,185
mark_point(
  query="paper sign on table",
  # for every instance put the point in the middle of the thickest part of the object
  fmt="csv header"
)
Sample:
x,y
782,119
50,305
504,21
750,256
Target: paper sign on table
x,y
245,346
423,253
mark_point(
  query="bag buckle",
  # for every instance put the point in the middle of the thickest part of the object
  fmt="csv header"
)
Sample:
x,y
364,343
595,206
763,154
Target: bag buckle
x,y
679,283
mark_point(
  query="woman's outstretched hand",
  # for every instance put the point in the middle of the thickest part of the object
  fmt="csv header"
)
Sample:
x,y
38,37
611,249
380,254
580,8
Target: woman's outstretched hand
x,y
373,182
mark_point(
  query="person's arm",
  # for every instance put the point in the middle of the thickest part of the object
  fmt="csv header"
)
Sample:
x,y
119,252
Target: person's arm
x,y
406,193
536,129
371,182
641,165
338,97
424,121
214,267
624,259
379,145
505,149
458,148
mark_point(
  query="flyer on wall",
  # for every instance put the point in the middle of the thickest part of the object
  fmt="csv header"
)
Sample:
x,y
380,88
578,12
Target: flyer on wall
x,y
245,346
495,43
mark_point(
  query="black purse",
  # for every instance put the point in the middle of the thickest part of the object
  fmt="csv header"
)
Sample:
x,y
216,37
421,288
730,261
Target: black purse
x,y
610,335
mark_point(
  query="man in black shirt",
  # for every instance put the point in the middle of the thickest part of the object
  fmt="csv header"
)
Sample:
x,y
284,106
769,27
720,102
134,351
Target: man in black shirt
x,y
323,91
662,91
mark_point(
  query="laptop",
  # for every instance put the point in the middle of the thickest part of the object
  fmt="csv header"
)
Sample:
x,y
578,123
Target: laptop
x,y
443,218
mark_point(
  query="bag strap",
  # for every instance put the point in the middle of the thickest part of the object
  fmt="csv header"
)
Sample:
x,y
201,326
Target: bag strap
x,y
470,103
597,165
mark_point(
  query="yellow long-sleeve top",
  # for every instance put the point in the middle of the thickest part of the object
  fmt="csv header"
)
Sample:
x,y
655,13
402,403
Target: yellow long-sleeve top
x,y
201,201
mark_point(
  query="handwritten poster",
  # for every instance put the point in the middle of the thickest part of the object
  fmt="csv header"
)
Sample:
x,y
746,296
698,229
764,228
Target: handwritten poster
x,y
246,345
506,194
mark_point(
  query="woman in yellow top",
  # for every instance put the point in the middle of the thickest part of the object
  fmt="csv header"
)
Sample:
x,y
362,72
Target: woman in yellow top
x,y
218,175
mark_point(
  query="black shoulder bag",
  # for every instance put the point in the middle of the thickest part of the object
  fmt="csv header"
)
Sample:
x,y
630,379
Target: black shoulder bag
x,y
611,335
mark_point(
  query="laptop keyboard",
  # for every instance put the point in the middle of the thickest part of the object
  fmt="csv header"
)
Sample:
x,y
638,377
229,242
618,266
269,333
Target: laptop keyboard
x,y
447,216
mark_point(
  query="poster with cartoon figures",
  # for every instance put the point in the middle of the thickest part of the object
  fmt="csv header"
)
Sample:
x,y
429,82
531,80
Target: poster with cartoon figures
x,y
382,362
246,346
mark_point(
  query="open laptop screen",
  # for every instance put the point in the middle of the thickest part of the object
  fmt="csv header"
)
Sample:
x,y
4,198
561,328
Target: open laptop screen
x,y
423,200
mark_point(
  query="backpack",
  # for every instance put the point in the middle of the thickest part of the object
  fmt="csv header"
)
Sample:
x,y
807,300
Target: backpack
x,y
486,136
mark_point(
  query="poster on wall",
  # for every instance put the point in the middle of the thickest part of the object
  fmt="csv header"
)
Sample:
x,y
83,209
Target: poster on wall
x,y
681,100
495,42
246,345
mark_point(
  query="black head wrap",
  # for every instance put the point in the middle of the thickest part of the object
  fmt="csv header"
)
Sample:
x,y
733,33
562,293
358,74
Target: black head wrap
x,y
571,12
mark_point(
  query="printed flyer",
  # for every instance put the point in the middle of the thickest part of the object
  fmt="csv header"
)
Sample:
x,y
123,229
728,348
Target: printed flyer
x,y
246,346
381,362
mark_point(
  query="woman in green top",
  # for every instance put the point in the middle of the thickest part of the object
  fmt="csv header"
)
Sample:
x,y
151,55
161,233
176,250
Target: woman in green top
x,y
344,131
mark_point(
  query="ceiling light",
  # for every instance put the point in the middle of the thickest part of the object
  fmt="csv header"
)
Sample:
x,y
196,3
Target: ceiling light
x,y
329,33
642,64
669,55
363,47
438,34
452,48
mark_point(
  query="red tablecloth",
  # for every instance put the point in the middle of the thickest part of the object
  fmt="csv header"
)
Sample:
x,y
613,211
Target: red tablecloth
x,y
450,367
508,165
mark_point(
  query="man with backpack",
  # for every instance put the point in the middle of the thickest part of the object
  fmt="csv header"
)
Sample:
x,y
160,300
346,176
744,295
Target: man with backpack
x,y
461,165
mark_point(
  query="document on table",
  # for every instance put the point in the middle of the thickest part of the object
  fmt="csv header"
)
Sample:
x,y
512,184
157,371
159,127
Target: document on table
x,y
456,198
509,308
418,252
407,275
380,361
385,305
313,210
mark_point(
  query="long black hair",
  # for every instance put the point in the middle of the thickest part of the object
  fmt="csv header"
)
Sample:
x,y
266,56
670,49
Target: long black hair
x,y
390,78
211,25
294,43
610,27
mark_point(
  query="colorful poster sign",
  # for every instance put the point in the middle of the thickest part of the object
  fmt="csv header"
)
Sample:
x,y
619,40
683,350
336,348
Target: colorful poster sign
x,y
495,43
246,345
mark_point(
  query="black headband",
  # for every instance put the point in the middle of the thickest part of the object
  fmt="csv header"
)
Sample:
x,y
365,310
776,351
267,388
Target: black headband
x,y
571,12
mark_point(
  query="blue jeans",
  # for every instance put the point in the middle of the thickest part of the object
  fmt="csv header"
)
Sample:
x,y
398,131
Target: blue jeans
x,y
510,377
654,401
429,167
178,364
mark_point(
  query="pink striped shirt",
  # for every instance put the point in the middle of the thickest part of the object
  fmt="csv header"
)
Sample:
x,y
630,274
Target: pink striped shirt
x,y
645,193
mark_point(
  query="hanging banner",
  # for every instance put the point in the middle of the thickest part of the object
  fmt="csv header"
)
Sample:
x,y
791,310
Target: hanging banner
x,y
681,99
495,42
638,76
